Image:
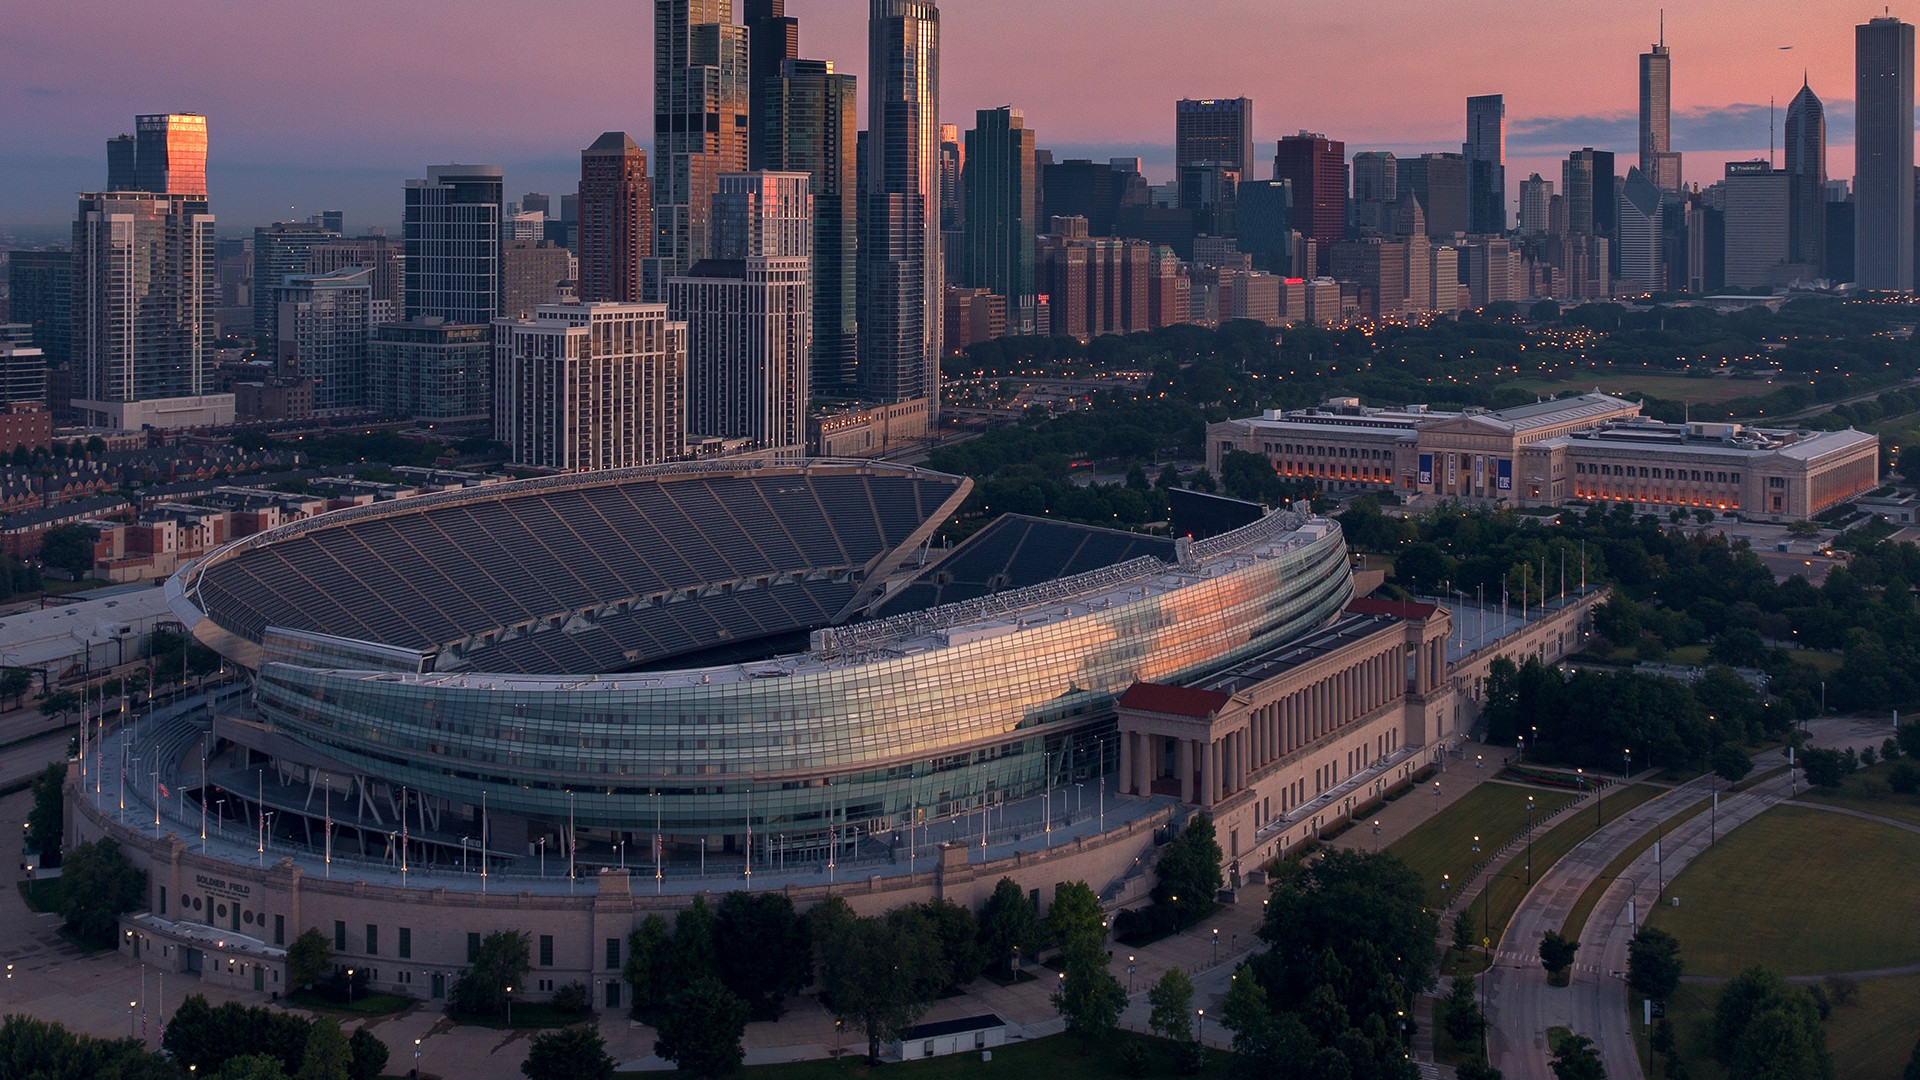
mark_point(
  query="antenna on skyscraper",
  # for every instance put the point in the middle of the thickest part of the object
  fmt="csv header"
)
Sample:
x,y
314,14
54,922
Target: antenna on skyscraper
x,y
1770,110
1663,28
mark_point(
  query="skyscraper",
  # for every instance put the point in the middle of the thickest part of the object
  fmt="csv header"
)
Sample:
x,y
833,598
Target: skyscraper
x,y
773,38
279,250
1376,177
1883,155
40,293
763,215
1317,167
1486,153
452,234
1755,203
590,386
616,218
324,333
1658,161
1208,136
1263,220
1444,185
1536,197
1640,221
1000,226
170,154
812,125
902,323
700,106
1586,178
1807,179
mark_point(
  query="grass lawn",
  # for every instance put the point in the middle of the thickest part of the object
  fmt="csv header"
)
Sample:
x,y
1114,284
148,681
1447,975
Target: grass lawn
x,y
41,895
1807,892
525,1015
375,1004
1497,902
1668,387
1057,1057
1443,844
1827,663
1871,1040
1583,907
1867,792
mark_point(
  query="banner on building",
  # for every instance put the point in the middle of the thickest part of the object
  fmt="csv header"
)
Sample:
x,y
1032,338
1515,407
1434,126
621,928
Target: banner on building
x,y
1479,471
1426,470
1506,475
1453,471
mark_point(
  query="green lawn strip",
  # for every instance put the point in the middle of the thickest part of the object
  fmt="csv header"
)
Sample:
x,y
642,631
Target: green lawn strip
x,y
1056,1057
1870,1040
1443,844
369,1004
1503,893
1807,892
1826,662
1583,907
1867,792
41,895
1445,1050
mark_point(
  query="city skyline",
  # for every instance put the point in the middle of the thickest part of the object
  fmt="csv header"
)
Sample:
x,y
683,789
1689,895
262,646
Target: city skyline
x,y
282,158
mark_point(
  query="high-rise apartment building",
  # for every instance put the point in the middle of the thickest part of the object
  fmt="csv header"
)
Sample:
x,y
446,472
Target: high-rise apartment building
x,y
747,323
1883,188
901,282
700,105
170,154
1755,204
953,163
763,214
532,273
1536,201
1807,180
1000,227
1095,285
812,124
1658,160
1486,154
1639,211
324,334
121,170
1317,167
590,386
279,251
40,294
616,218
436,373
773,38
1586,178
384,255
452,235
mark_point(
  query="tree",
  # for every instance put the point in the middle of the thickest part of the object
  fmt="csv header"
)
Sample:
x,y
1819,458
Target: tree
x,y
367,1055
701,1028
501,961
690,953
1007,923
15,682
1476,1069
309,958
880,974
328,1055
46,821
1903,778
1824,768
1909,738
59,703
47,1051
251,1067
1365,912
1557,952
762,950
1730,763
574,1053
69,548
98,884
1913,1064
1463,931
202,1037
1576,1059
1464,1021
1189,867
1172,1000
1090,999
1076,915
1764,1026
958,935
1654,966
646,968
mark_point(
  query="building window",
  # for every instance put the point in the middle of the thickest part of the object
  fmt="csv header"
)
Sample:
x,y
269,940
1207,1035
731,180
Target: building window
x,y
279,929
473,947
613,954
546,950
373,940
340,937
406,943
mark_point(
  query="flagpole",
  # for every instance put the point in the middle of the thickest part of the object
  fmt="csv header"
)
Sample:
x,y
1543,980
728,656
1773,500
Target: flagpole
x,y
260,818
403,837
572,844
483,842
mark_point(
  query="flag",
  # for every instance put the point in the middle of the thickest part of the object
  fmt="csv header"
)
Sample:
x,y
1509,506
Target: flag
x,y
164,793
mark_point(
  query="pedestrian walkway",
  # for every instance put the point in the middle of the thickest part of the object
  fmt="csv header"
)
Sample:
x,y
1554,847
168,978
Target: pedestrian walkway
x,y
1473,765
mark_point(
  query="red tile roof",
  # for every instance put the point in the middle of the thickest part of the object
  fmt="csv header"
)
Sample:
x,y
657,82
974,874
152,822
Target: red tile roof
x,y
1173,700
1399,609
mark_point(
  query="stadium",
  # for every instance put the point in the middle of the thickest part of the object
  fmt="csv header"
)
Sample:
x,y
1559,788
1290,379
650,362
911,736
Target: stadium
x,y
645,664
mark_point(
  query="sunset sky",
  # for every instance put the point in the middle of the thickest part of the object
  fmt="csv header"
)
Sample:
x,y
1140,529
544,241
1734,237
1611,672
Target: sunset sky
x,y
333,105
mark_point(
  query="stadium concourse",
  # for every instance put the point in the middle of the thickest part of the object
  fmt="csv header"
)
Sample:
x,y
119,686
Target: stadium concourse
x,y
557,705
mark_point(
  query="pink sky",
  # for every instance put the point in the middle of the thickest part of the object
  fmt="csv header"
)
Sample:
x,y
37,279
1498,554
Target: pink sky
x,y
336,103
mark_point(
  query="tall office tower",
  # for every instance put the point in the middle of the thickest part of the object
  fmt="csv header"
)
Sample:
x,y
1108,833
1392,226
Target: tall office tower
x,y
170,154
532,273
1486,153
700,95
1641,261
1536,199
528,225
1755,205
40,293
1807,180
813,122
433,372
590,386
953,163
334,221
901,325
615,211
1883,155
144,294
23,375
1658,161
1376,177
1317,167
763,214
452,236
1077,187
1216,131
749,315
279,250
324,333
384,255
535,202
121,172
1586,177
772,39
1096,285
1444,185
1000,225
1410,225
1263,220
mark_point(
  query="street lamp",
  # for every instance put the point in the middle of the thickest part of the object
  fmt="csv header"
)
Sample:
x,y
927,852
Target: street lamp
x,y
543,856
1216,945
1476,844
1446,881
1627,764
349,986
416,1058
1203,1025
130,1032
1376,837
509,1006
1529,841
1130,970
1523,749
1436,796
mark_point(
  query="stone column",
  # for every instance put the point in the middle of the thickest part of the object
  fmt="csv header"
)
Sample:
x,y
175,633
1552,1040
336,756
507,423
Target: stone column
x,y
1126,762
1183,760
1209,773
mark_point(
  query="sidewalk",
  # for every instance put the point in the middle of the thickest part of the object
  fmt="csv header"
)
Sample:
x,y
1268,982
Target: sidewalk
x,y
1476,765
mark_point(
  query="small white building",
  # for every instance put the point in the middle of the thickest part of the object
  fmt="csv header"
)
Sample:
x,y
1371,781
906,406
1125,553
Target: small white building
x,y
943,1037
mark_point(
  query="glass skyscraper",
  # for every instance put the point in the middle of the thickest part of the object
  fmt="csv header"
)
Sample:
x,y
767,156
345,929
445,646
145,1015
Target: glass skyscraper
x,y
812,126
1000,222
452,236
616,218
700,83
1883,155
1658,161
